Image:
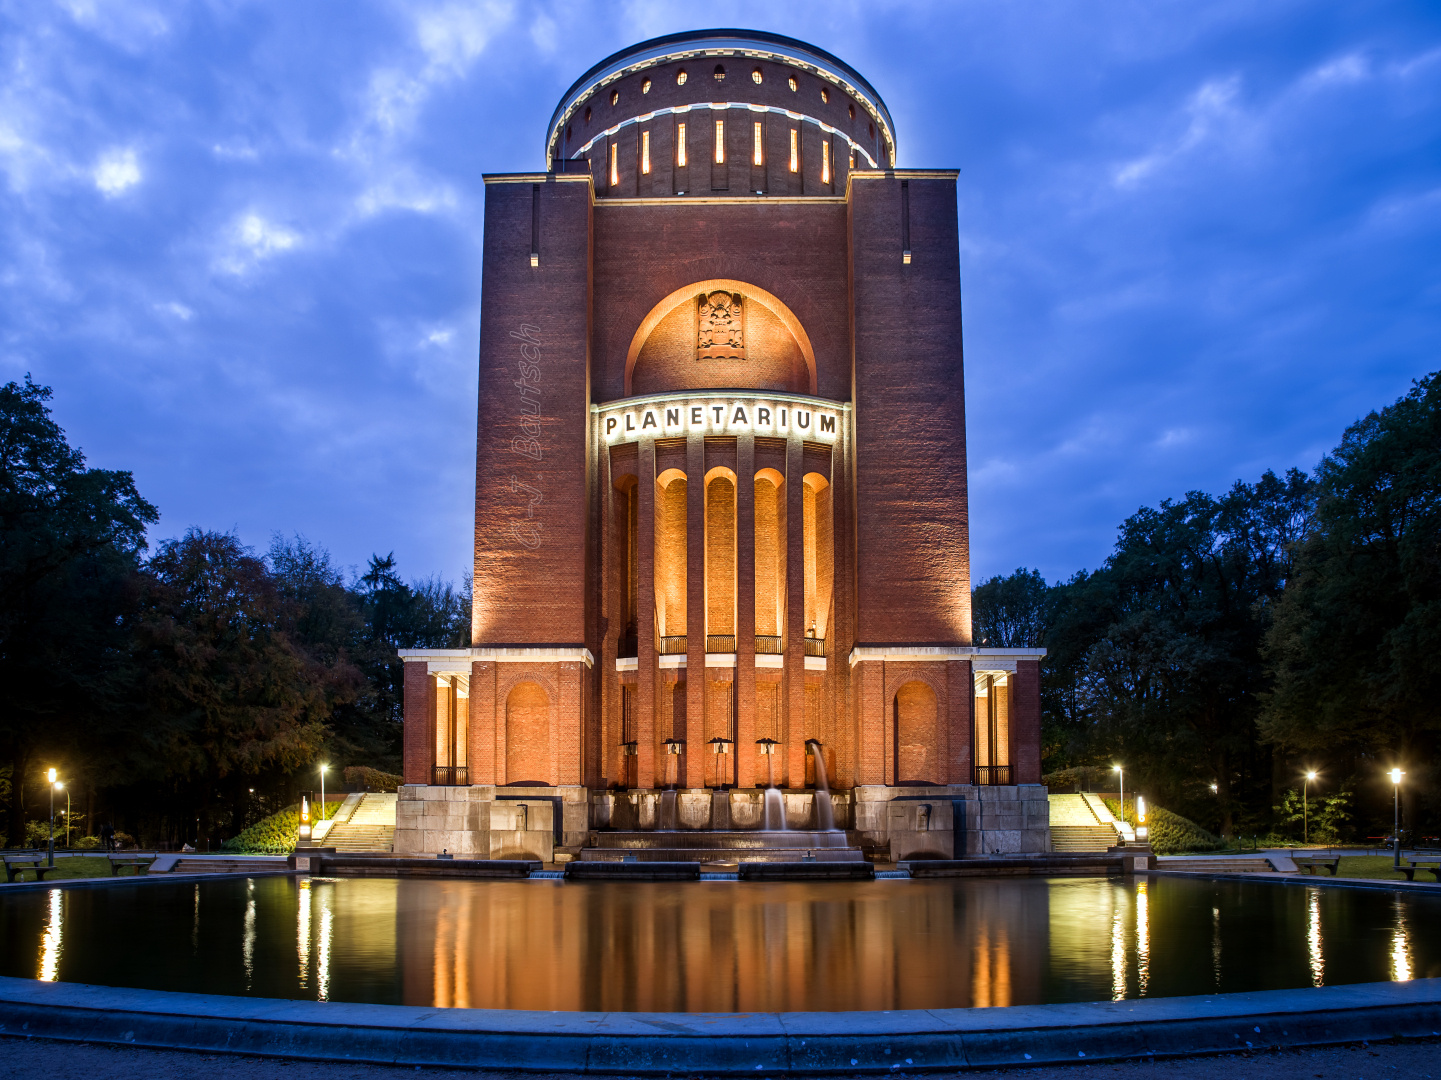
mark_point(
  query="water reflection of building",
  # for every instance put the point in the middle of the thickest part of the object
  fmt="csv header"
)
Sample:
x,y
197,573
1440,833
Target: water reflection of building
x,y
721,484
699,948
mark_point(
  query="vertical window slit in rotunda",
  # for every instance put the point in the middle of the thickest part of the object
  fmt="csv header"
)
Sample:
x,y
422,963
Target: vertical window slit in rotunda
x,y
825,161
680,144
757,158
720,142
645,152
534,224
614,164
795,150
905,221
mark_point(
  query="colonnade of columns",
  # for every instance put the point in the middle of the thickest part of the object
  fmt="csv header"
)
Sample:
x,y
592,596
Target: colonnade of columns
x,y
719,564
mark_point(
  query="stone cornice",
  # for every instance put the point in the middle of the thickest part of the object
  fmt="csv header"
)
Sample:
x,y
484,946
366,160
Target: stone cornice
x,y
441,659
986,659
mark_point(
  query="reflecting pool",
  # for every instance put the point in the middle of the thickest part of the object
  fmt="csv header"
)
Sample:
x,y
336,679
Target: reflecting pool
x,y
717,946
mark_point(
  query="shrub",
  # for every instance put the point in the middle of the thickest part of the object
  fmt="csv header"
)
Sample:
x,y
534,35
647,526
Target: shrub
x,y
124,840
1170,833
87,843
371,779
274,835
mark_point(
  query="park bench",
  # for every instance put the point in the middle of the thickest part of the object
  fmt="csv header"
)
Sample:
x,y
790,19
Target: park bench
x,y
18,864
1433,864
141,863
1309,863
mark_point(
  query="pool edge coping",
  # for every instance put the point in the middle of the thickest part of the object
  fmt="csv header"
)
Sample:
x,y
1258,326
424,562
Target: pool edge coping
x,y
652,1044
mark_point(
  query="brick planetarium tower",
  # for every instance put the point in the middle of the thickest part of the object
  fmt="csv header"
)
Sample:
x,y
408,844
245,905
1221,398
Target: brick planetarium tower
x,y
721,530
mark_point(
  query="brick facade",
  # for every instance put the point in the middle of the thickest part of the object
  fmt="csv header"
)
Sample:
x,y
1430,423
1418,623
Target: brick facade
x,y
777,549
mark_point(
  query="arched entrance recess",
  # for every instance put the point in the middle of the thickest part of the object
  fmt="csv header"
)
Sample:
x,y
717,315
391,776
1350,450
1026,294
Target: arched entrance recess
x,y
527,735
917,734
752,293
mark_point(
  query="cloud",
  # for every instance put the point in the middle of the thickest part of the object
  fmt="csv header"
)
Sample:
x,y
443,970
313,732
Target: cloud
x,y
253,240
177,309
116,172
1209,109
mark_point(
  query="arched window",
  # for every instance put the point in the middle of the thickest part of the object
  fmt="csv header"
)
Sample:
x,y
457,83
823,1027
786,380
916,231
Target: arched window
x,y
769,561
527,735
917,735
720,561
624,528
670,560
819,556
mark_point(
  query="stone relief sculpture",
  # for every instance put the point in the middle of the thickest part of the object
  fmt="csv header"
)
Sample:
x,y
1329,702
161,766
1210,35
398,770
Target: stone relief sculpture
x,y
720,331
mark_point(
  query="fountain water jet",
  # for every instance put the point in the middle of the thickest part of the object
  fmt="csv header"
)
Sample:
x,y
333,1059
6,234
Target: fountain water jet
x,y
825,814
775,803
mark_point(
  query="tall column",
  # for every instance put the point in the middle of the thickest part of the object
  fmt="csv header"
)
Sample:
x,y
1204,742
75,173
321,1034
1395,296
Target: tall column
x,y
696,750
744,749
481,751
960,708
1024,728
645,619
418,745
795,656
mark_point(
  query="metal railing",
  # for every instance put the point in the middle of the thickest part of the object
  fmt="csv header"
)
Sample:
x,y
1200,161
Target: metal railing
x,y
992,775
450,776
670,646
768,645
815,646
720,643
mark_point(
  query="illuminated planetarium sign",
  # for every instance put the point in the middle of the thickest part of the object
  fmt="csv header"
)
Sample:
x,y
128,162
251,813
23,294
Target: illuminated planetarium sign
x,y
671,415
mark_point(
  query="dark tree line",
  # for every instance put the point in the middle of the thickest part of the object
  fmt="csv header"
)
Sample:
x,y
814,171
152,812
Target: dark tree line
x,y
180,694
1231,643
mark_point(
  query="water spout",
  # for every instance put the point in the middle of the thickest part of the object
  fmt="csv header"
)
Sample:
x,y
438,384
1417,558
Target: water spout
x,y
825,815
775,810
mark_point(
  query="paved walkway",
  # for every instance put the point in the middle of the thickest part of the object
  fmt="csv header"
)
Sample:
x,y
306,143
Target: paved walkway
x,y
1412,1060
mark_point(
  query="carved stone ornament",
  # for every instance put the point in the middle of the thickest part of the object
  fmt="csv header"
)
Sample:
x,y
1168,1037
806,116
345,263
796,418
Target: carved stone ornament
x,y
720,330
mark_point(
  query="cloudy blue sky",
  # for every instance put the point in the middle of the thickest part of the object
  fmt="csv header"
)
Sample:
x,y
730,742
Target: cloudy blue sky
x,y
242,240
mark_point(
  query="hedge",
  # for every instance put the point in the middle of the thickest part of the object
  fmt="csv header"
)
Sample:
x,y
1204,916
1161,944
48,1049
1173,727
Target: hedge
x,y
1170,833
274,835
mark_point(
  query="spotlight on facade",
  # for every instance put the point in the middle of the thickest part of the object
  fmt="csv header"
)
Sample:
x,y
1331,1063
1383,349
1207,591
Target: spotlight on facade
x,y
768,746
719,745
629,749
674,746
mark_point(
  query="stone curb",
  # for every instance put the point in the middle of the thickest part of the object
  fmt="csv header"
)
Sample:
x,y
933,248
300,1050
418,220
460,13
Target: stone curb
x,y
1303,879
655,1044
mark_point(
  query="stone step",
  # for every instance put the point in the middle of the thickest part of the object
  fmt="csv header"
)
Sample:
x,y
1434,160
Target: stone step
x,y
226,866
733,841
720,855
1082,837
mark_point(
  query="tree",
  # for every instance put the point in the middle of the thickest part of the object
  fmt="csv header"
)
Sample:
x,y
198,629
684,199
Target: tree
x,y
229,693
1356,644
1011,612
70,542
1156,656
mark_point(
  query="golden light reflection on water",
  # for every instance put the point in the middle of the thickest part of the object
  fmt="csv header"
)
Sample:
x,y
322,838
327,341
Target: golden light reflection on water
x,y
247,934
991,981
1143,939
1313,938
302,931
322,963
1400,946
52,941
1118,952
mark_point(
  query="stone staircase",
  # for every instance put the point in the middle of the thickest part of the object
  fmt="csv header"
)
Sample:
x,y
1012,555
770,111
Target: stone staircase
x,y
370,828
1075,825
715,846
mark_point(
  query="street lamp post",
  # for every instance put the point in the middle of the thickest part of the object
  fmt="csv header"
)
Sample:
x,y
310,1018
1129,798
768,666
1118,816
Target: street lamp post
x,y
50,775
58,787
1306,808
1396,775
322,791
1121,772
